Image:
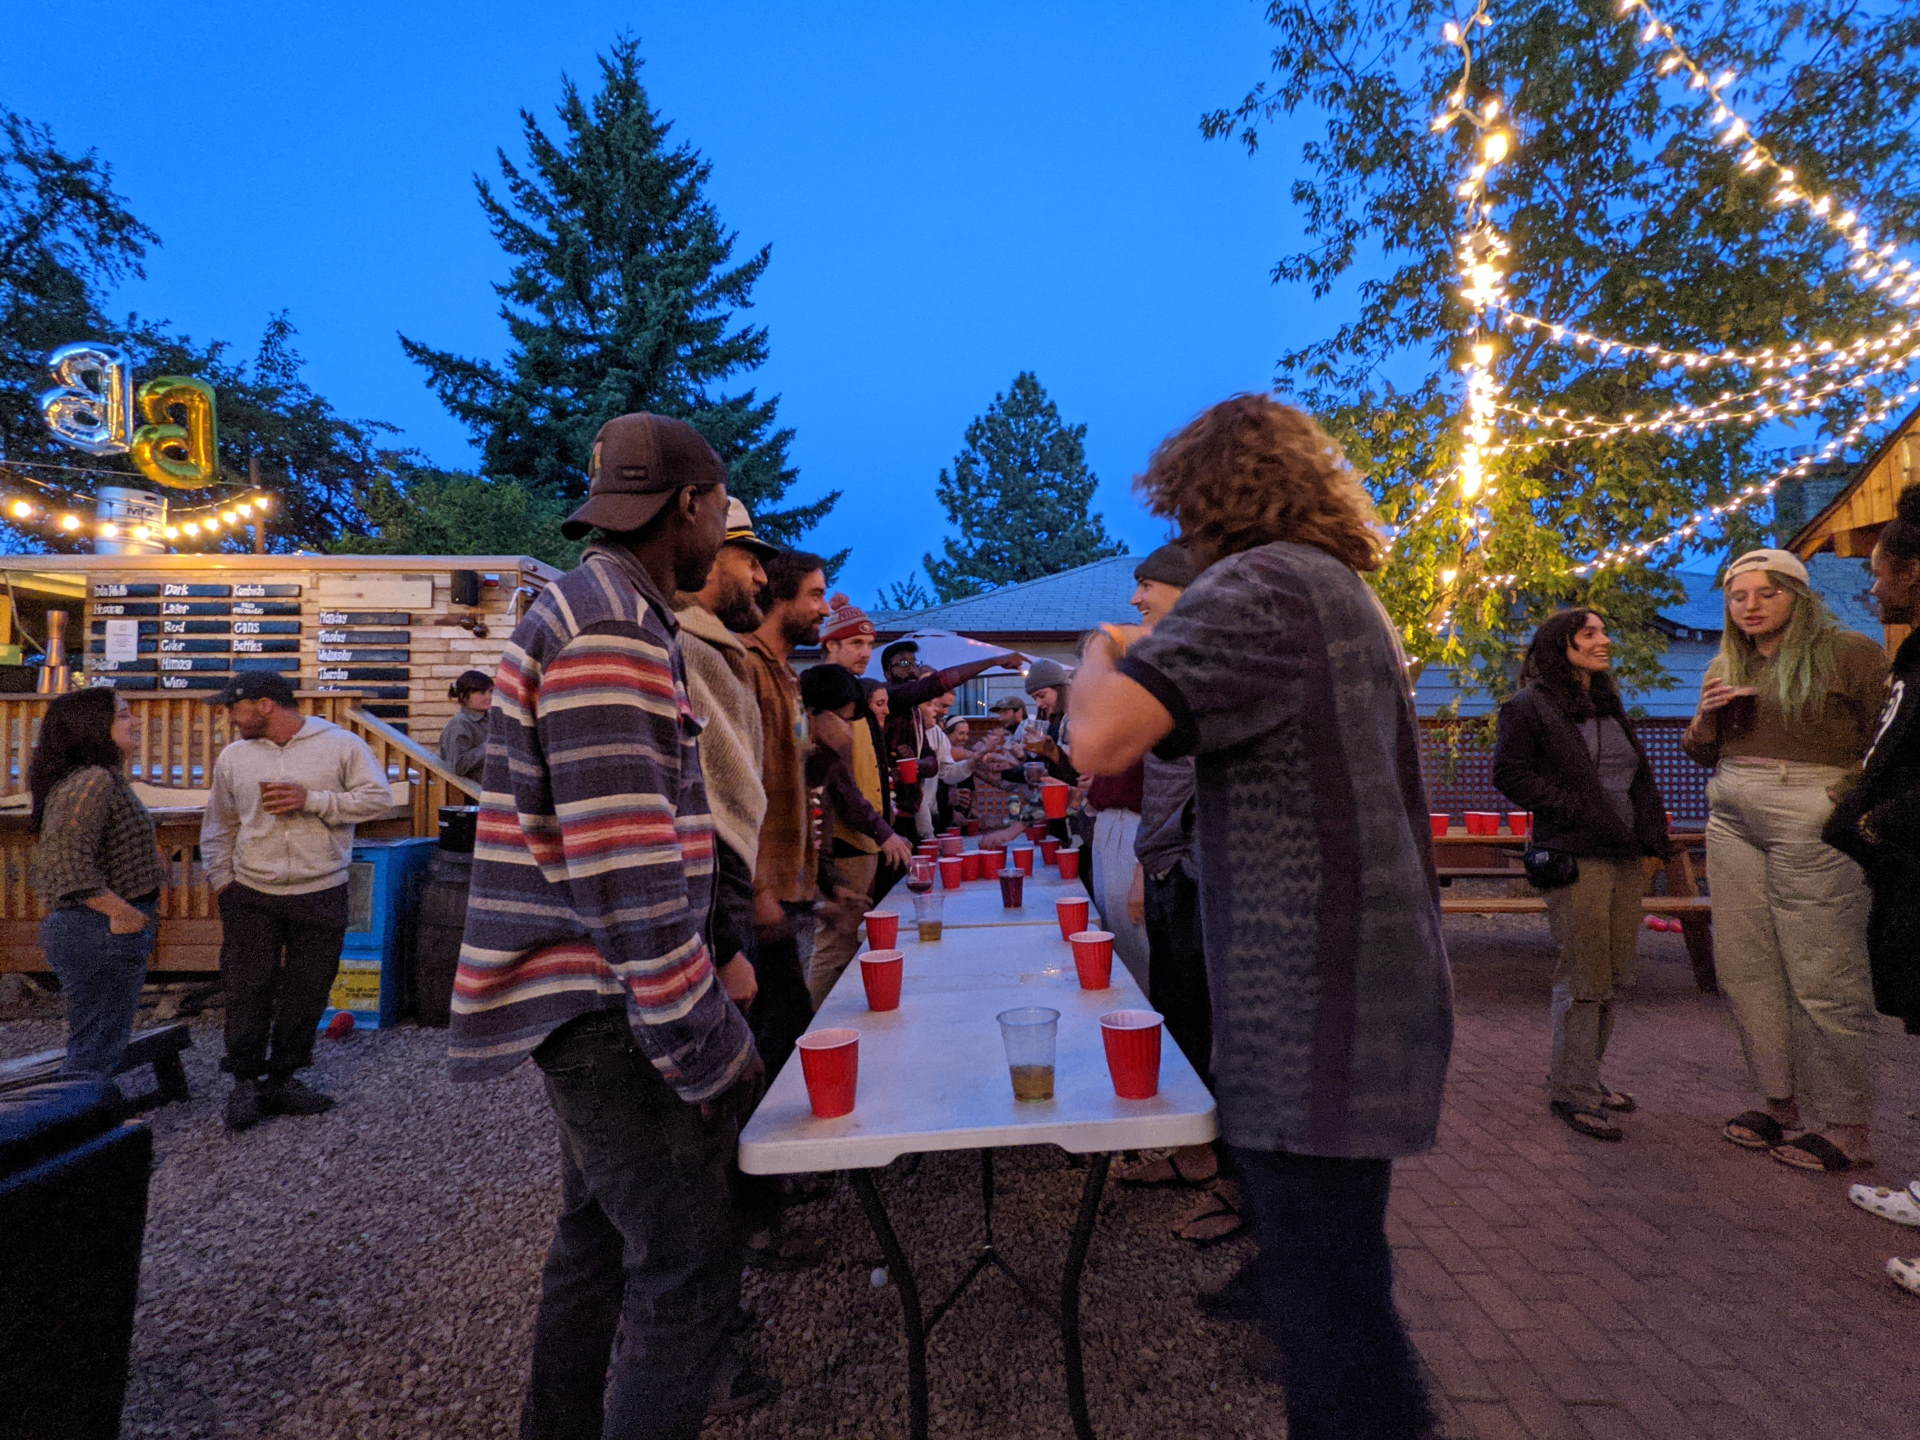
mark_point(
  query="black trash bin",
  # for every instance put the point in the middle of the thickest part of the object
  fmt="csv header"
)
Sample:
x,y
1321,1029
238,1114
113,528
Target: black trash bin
x,y
73,1217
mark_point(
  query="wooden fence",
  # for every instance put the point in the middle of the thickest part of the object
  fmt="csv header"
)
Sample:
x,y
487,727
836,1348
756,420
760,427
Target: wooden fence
x,y
179,739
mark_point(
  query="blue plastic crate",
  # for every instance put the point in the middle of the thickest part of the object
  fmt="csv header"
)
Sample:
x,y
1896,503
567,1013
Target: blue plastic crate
x,y
382,896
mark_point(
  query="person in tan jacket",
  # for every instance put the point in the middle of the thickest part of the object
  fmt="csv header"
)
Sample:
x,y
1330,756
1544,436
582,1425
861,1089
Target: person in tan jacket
x,y
1787,710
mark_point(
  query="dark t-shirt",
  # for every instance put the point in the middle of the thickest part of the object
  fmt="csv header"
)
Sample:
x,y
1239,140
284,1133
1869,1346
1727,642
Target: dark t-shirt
x,y
1332,1001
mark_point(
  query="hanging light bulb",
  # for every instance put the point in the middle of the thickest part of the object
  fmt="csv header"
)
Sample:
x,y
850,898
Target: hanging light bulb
x,y
69,522
109,531
20,510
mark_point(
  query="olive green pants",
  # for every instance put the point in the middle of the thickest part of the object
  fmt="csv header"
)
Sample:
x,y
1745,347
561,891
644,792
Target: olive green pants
x,y
1596,927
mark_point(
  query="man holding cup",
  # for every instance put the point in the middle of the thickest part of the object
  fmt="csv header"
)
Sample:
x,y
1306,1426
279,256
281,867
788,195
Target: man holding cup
x,y
276,843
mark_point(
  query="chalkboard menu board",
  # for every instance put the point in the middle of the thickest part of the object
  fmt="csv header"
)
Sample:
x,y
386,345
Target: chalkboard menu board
x,y
179,635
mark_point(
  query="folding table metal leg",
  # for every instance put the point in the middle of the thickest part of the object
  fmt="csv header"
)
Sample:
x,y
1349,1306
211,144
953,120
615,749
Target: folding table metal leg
x,y
901,1269
1070,1292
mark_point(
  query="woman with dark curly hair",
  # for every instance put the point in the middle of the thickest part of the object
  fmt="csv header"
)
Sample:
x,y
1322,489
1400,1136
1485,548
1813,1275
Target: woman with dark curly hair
x,y
1279,671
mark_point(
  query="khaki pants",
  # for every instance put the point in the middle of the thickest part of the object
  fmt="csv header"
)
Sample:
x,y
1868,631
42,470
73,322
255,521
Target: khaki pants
x,y
1596,925
838,938
1790,938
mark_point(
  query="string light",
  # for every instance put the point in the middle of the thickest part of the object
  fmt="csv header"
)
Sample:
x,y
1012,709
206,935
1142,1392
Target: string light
x,y
1783,357
58,511
1872,260
1749,494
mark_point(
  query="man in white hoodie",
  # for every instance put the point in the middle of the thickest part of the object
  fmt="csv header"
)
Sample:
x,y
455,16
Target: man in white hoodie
x,y
276,843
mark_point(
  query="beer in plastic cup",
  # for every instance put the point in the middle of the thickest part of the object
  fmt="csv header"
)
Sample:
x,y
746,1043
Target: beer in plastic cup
x,y
830,1065
1072,911
1013,887
929,913
1093,958
1132,1039
1029,1034
880,973
883,928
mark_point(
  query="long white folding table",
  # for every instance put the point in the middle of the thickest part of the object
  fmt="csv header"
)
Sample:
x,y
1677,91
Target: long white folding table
x,y
933,1076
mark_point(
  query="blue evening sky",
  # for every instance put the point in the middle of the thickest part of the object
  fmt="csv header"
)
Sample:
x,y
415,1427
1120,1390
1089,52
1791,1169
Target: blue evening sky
x,y
952,194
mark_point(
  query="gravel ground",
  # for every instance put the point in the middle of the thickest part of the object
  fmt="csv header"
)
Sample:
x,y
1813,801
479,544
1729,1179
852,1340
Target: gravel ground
x,y
372,1272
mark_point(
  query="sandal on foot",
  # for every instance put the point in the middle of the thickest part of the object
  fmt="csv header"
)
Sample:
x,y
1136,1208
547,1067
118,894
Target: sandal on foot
x,y
1763,1131
1215,1217
1816,1152
1905,1273
1619,1101
1186,1166
1591,1123
1900,1206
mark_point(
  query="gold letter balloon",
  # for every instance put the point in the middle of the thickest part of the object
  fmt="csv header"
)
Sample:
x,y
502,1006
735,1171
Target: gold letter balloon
x,y
91,405
181,456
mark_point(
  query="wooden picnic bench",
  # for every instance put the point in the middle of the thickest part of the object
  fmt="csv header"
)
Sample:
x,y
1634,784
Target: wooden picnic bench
x,y
159,1047
1682,899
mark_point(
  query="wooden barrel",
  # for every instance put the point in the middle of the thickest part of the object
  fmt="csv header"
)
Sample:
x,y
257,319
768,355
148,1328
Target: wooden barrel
x,y
443,918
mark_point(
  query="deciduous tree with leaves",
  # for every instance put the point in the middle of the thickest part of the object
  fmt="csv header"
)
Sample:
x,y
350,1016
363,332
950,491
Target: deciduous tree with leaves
x,y
1021,495
622,295
1626,217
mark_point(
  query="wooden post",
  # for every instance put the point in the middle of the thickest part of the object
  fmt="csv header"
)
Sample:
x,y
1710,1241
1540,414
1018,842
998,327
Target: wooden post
x,y
259,519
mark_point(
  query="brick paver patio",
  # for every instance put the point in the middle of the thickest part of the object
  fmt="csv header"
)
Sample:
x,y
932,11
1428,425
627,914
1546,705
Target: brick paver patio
x,y
1671,1285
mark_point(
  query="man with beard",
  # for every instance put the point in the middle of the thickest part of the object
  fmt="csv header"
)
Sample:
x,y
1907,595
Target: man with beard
x,y
586,951
711,620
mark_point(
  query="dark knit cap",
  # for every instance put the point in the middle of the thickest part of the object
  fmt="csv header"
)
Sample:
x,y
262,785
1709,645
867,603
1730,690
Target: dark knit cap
x,y
828,687
1169,565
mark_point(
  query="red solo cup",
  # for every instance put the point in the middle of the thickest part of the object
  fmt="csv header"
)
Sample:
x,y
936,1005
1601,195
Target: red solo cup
x,y
909,771
1483,822
1520,822
1093,960
952,871
1049,850
1073,915
1023,859
1441,824
1671,822
1133,1052
951,844
970,864
1054,795
883,928
880,972
830,1064
1037,832
969,827
1013,889
1069,863
948,831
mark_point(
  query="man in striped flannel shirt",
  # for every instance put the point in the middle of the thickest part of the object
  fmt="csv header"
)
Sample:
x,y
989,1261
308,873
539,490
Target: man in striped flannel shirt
x,y
586,949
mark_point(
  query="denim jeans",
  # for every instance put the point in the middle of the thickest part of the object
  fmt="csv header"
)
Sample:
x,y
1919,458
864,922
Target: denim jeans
x,y
100,978
643,1275
1350,1371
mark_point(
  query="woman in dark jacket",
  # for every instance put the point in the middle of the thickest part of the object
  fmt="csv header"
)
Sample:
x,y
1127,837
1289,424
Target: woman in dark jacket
x,y
1568,753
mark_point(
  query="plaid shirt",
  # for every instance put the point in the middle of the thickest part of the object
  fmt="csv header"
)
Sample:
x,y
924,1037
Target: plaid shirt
x,y
95,836
594,856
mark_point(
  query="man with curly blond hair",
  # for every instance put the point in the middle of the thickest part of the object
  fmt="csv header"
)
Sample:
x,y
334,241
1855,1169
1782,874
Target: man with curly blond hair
x,y
1279,671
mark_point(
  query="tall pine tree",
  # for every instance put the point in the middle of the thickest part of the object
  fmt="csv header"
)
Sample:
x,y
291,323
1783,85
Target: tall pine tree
x,y
621,297
1021,495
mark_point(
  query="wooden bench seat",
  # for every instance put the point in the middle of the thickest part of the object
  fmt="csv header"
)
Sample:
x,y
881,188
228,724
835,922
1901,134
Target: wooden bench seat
x,y
1681,905
159,1047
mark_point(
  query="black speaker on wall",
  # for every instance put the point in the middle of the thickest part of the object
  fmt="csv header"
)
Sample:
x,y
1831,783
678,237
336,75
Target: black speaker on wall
x,y
466,587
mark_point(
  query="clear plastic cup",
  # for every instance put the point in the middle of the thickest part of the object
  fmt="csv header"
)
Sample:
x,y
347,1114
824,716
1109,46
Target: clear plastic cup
x,y
1029,1034
929,914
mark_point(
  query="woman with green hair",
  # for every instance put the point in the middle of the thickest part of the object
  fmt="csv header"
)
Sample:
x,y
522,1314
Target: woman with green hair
x,y
1787,710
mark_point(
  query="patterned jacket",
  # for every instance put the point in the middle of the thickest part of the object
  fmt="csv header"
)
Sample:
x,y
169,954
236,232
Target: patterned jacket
x,y
594,856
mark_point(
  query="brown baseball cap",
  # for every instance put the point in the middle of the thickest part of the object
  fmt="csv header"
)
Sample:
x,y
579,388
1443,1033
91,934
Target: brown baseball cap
x,y
638,462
